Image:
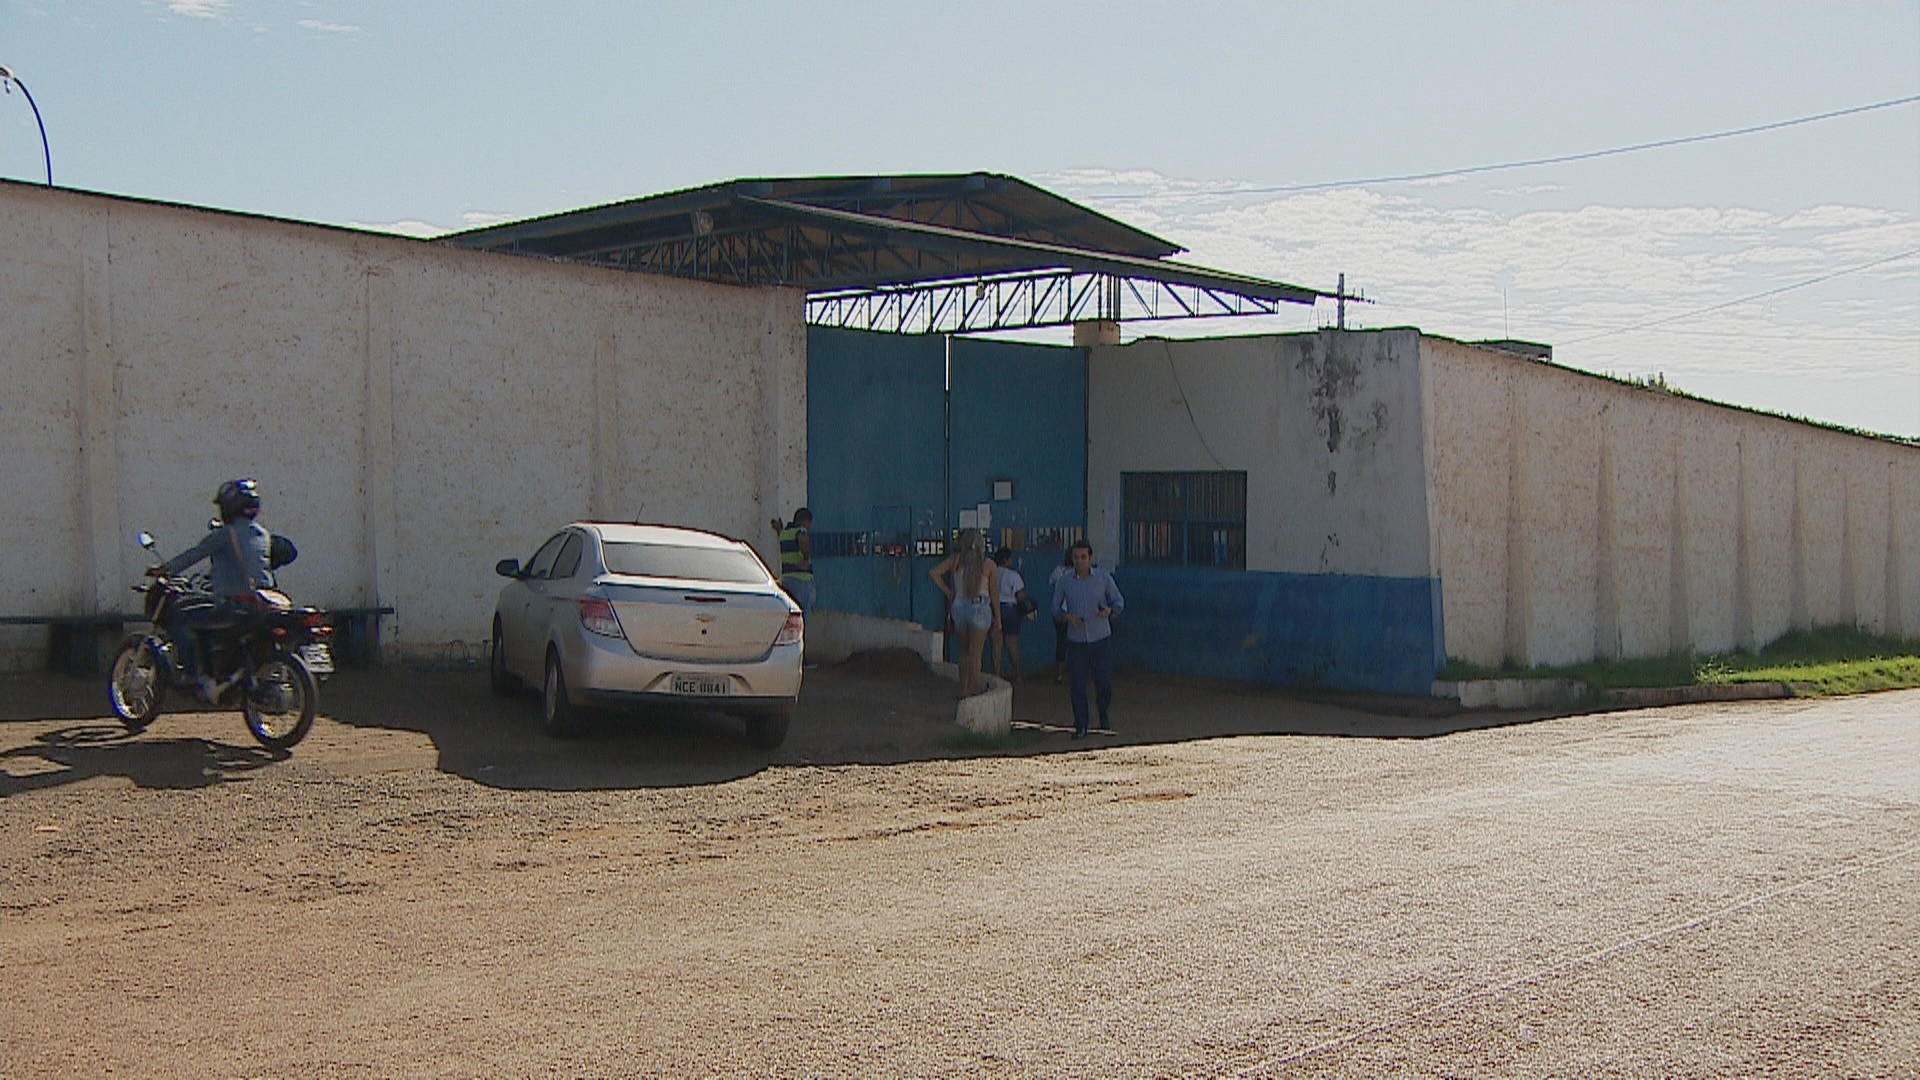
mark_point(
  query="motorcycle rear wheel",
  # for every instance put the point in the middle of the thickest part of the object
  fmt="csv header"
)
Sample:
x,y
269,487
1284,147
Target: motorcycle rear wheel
x,y
137,685
279,706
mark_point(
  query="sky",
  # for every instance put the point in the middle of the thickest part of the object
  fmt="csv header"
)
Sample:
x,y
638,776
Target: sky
x,y
1778,270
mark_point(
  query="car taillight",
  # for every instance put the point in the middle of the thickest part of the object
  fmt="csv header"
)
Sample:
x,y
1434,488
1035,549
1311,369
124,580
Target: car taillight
x,y
795,629
597,616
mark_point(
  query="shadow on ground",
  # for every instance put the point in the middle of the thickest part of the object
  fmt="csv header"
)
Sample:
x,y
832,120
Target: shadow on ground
x,y
876,709
79,752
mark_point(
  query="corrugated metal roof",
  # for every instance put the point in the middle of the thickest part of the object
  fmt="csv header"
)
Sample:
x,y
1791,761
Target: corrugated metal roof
x,y
847,234
987,203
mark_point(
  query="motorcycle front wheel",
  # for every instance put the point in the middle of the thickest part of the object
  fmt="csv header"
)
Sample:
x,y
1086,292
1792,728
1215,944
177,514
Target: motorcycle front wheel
x,y
279,705
137,685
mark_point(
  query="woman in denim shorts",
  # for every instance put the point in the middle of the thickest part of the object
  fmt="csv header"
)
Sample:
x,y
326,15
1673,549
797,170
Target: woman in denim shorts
x,y
971,583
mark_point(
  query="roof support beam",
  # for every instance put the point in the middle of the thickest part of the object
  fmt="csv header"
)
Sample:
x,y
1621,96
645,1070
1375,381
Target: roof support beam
x,y
1045,298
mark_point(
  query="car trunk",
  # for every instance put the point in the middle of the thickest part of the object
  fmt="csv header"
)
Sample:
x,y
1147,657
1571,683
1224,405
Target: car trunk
x,y
708,625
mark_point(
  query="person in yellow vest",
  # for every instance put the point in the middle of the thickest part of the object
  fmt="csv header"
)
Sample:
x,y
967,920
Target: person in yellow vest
x,y
796,558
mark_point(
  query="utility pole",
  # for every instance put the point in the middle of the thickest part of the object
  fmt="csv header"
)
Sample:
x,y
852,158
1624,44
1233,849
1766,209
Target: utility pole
x,y
1341,296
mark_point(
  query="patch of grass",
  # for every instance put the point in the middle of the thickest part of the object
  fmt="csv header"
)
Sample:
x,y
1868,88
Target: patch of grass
x,y
1815,663
1853,677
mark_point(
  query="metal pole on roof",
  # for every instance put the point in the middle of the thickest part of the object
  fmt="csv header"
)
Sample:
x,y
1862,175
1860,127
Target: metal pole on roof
x,y
8,80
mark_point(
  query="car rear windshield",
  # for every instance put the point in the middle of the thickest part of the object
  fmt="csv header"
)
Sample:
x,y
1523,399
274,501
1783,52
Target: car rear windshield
x,y
691,563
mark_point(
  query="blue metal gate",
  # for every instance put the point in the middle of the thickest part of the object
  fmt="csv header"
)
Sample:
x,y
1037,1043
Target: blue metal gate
x,y
898,458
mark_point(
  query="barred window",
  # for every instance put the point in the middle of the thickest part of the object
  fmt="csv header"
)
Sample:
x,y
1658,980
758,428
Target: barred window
x,y
1186,519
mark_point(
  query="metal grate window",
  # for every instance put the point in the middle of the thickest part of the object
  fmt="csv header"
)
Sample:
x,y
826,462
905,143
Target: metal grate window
x,y
1186,519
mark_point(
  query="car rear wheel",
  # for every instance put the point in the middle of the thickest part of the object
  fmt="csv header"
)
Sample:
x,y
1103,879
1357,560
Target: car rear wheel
x,y
768,730
557,714
501,681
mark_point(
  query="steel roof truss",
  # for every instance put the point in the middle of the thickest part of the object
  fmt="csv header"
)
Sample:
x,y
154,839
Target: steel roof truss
x,y
1044,298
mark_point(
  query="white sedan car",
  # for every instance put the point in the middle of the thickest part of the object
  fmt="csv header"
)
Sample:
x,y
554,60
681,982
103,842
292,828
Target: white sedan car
x,y
618,615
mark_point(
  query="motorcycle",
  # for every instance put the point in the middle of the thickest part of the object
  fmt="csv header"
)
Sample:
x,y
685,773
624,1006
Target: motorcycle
x,y
268,660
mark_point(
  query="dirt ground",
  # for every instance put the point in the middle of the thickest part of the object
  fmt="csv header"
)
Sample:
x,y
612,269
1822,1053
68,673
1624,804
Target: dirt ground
x,y
1238,883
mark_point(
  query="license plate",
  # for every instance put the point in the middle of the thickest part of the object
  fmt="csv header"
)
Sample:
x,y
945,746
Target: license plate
x,y
702,684
318,658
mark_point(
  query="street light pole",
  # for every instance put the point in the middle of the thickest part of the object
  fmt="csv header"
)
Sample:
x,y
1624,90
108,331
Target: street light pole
x,y
8,80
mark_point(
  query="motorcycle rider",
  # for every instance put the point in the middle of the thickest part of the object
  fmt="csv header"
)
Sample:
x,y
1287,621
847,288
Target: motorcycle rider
x,y
239,549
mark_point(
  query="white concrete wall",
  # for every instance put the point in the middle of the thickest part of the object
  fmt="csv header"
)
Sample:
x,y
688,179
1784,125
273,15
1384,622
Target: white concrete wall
x,y
833,636
413,412
1578,517
1326,425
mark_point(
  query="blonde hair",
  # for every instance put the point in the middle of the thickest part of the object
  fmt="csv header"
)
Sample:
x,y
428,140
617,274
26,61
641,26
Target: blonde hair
x,y
972,564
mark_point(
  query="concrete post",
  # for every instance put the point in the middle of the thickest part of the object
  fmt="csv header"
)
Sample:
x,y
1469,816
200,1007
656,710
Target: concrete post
x,y
382,572
1743,603
1092,332
1896,621
606,424
1679,569
99,422
1606,597
1519,589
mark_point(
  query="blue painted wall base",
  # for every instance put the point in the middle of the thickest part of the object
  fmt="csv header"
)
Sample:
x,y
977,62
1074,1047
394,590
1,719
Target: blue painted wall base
x,y
1344,632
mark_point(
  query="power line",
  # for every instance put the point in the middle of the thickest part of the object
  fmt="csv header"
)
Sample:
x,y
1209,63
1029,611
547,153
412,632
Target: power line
x,y
1551,323
1527,164
1745,299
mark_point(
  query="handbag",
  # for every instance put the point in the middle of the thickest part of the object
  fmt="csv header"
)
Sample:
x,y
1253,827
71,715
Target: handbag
x,y
1025,605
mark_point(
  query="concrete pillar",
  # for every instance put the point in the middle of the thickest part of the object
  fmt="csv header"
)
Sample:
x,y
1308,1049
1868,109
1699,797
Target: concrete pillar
x,y
782,485
1896,621
1606,598
1798,618
1519,615
1679,584
103,547
1091,332
1743,602
378,467
606,425
1849,565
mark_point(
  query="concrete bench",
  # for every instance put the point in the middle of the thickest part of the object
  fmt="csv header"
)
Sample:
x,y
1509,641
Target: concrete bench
x,y
79,644
356,634
85,644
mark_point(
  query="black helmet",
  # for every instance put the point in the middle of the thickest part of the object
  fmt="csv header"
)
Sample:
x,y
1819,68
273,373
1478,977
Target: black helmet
x,y
237,498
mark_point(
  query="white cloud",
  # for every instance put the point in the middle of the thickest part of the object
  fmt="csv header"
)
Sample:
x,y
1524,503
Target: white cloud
x,y
1828,217
1562,275
419,230
200,9
426,230
328,28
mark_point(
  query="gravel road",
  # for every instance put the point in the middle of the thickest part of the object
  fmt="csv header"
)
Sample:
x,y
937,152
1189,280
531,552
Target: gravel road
x,y
1236,885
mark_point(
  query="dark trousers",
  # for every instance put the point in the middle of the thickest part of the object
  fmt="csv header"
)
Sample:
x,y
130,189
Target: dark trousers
x,y
190,626
1093,658
1059,640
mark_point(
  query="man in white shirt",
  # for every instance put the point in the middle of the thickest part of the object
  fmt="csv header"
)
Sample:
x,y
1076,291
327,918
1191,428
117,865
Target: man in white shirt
x,y
1015,607
1089,598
